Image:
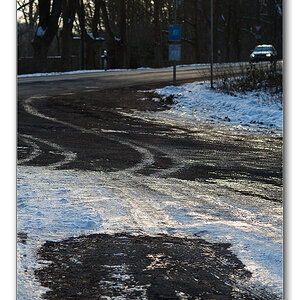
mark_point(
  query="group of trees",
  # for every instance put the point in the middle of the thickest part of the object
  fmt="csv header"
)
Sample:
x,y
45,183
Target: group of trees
x,y
135,32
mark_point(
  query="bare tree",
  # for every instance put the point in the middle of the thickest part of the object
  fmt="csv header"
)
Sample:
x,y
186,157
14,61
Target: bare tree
x,y
136,31
46,31
119,43
157,33
122,45
69,11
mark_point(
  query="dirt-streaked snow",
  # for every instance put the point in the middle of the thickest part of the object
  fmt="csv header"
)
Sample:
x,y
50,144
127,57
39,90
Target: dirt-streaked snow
x,y
198,102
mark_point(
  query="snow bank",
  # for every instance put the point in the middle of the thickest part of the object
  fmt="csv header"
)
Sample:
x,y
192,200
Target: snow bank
x,y
198,102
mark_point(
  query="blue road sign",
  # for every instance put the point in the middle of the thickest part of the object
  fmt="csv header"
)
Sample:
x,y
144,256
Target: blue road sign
x,y
174,52
174,33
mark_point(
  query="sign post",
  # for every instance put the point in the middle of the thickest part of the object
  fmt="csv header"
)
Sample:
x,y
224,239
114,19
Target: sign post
x,y
211,42
174,36
174,48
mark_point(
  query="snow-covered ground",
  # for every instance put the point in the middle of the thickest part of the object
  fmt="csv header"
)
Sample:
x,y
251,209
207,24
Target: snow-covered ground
x,y
56,204
198,102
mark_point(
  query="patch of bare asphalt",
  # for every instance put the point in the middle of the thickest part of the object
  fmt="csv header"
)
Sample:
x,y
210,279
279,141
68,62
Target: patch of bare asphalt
x,y
143,267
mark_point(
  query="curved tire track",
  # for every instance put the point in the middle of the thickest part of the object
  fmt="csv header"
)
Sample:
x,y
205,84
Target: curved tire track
x,y
148,158
33,141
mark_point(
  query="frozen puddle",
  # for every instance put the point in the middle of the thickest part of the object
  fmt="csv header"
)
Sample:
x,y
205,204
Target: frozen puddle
x,y
57,204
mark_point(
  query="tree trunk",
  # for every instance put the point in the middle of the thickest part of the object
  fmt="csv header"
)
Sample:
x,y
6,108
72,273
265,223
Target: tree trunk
x,y
197,32
157,34
47,28
119,44
106,20
236,30
122,45
96,18
69,9
90,42
81,17
31,16
205,34
228,34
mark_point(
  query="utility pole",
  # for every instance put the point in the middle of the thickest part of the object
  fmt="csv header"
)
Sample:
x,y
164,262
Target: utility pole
x,y
174,65
211,42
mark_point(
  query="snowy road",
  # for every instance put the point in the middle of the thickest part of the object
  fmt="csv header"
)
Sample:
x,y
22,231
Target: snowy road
x,y
86,167
54,205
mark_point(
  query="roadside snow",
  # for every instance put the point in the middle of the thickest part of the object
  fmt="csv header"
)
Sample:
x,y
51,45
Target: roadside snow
x,y
59,73
198,102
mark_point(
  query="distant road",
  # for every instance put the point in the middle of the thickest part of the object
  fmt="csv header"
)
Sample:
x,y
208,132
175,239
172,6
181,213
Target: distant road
x,y
53,84
67,82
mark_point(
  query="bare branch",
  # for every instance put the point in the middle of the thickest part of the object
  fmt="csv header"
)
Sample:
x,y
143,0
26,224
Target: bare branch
x,y
22,6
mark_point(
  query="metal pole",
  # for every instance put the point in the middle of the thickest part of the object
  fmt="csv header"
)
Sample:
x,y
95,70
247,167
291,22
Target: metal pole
x,y
211,41
174,65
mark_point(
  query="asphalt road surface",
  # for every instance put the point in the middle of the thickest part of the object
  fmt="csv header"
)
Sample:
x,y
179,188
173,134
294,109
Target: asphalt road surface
x,y
29,86
96,123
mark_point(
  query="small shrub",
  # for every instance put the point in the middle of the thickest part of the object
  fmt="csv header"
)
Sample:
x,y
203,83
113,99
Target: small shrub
x,y
254,78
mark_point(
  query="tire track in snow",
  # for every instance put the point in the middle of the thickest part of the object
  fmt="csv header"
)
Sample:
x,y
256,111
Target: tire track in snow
x,y
34,153
146,211
69,156
225,206
176,162
148,157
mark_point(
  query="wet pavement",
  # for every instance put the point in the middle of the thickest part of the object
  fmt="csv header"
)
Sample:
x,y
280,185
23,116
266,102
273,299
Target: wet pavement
x,y
171,203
